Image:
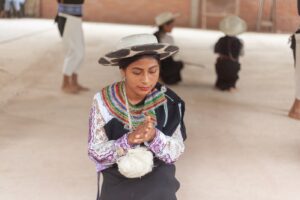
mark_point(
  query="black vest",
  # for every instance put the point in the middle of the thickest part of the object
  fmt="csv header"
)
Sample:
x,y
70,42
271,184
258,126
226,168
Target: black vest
x,y
167,119
71,1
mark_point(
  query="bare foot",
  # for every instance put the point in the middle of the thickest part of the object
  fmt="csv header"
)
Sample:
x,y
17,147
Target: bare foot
x,y
294,115
82,88
295,110
70,89
233,89
74,82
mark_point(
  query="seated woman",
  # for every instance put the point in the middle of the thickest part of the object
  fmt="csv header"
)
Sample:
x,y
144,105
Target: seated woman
x,y
136,130
229,49
170,67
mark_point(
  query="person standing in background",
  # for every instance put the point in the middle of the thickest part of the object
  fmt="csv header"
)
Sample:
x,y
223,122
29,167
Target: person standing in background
x,y
69,21
12,4
22,7
170,67
295,45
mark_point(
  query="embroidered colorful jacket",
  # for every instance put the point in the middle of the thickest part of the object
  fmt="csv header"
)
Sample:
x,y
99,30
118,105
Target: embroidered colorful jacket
x,y
108,125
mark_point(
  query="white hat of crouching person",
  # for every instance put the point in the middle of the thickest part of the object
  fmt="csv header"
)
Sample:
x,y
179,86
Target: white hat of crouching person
x,y
165,17
233,25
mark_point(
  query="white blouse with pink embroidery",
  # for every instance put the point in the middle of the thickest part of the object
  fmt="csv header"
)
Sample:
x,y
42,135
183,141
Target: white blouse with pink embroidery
x,y
105,152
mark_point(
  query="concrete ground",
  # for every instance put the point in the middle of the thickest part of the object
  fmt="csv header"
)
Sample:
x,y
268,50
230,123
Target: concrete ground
x,y
241,146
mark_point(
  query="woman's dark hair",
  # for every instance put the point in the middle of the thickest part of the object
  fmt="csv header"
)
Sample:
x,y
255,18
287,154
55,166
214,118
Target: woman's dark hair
x,y
124,63
161,29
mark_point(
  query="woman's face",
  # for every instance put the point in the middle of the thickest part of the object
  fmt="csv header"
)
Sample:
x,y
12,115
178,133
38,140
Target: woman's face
x,y
141,76
169,27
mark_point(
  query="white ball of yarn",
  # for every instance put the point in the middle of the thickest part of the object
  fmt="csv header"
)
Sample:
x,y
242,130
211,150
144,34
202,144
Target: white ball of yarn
x,y
136,163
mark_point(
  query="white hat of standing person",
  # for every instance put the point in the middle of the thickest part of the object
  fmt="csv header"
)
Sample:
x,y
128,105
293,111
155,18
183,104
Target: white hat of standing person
x,y
233,25
165,17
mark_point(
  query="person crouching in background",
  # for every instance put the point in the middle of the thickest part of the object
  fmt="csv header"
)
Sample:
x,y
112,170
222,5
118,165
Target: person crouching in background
x,y
170,67
229,48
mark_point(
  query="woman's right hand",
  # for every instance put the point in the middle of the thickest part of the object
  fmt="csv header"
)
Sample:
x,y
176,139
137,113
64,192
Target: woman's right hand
x,y
138,136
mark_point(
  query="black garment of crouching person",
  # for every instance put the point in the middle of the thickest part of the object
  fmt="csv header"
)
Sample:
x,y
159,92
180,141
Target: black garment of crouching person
x,y
298,3
293,43
61,21
169,68
160,184
293,38
227,65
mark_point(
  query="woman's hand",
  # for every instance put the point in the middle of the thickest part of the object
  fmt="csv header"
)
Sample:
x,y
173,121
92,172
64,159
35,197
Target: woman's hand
x,y
136,137
144,133
150,132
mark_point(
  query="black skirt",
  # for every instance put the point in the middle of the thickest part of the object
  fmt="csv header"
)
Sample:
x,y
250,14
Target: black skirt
x,y
170,71
227,73
160,184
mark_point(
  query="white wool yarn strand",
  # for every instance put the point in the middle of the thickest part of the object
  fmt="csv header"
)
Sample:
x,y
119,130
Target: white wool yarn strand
x,y
137,161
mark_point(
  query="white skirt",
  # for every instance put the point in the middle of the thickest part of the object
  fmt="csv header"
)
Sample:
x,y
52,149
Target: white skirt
x,y
73,41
